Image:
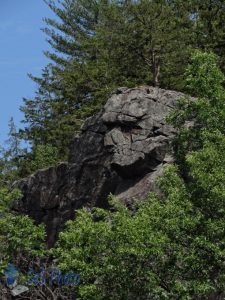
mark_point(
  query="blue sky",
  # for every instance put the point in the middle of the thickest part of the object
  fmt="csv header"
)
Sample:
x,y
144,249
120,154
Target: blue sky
x,y
21,51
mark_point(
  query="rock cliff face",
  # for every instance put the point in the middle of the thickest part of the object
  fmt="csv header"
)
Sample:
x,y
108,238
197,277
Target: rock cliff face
x,y
121,150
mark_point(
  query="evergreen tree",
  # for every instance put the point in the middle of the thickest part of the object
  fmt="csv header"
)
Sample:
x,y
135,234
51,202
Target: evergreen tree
x,y
13,141
208,30
146,41
100,45
10,156
70,81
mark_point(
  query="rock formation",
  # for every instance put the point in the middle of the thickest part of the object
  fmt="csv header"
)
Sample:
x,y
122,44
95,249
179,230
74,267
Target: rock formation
x,y
121,150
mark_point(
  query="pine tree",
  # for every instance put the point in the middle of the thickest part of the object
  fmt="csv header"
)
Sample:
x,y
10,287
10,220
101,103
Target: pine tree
x,y
146,41
208,26
68,86
100,45
10,156
13,142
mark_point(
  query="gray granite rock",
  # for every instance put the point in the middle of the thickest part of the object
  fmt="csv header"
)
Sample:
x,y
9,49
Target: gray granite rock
x,y
121,150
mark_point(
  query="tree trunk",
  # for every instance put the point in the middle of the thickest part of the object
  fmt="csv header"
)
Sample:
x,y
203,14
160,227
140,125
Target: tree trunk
x,y
155,68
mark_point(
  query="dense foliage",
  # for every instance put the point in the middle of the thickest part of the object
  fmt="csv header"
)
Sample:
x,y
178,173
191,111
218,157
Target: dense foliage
x,y
19,237
171,247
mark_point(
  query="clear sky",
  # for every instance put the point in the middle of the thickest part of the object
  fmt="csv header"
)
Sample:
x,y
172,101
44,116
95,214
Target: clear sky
x,y
21,51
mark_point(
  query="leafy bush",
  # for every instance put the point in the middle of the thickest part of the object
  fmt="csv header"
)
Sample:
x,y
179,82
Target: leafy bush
x,y
18,234
146,255
170,248
7,197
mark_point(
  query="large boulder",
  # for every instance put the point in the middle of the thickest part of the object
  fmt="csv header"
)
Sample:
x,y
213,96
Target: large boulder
x,y
121,150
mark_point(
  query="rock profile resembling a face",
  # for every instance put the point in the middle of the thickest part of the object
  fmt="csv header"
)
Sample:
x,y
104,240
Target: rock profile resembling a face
x,y
120,150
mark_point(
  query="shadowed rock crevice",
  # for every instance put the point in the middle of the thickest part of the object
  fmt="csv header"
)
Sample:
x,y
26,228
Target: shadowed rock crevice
x,y
120,150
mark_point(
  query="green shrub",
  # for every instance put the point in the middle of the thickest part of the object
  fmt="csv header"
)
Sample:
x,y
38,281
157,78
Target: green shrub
x,y
170,248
